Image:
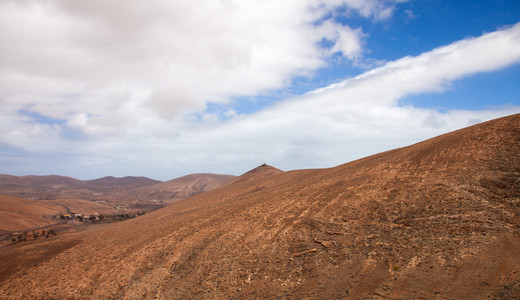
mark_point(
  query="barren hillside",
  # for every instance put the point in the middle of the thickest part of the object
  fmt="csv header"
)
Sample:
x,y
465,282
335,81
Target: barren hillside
x,y
438,219
19,214
180,188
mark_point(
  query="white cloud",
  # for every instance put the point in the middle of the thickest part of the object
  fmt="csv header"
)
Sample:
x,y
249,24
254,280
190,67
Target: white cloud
x,y
128,80
354,118
433,70
347,41
62,57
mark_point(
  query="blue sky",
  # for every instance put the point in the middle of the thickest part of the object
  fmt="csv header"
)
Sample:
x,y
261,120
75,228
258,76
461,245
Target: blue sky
x,y
414,28
90,89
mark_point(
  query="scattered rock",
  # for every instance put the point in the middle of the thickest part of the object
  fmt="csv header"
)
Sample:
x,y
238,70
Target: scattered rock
x,y
305,252
325,244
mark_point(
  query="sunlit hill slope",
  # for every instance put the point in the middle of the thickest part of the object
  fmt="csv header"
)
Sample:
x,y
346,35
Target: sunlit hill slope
x,y
440,218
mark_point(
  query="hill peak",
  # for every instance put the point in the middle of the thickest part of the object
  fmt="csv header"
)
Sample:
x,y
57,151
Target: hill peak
x,y
262,171
264,168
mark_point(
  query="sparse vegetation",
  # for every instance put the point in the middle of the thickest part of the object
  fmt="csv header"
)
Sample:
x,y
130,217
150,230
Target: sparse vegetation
x,y
22,237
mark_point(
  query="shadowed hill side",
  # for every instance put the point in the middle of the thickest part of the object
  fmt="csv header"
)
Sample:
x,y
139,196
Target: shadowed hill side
x,y
438,219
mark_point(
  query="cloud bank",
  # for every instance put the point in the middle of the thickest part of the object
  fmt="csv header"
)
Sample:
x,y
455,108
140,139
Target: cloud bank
x,y
122,89
66,59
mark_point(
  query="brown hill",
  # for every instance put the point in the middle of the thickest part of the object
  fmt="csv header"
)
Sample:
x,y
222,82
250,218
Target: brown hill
x,y
261,172
182,187
19,214
438,219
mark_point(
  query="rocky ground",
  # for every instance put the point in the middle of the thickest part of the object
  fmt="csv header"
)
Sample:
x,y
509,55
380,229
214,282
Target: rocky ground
x,y
436,220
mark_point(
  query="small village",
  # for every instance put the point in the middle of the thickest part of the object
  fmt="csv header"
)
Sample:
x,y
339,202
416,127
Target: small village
x,y
80,217
98,217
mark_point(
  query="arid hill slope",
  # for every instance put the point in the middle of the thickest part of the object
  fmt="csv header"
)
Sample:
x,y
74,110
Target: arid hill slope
x,y
438,219
19,214
180,188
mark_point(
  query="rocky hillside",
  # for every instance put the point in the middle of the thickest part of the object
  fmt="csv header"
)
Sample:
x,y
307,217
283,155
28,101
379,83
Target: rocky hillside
x,y
438,219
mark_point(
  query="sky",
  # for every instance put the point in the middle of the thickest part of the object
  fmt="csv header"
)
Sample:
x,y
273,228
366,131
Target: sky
x,y
168,88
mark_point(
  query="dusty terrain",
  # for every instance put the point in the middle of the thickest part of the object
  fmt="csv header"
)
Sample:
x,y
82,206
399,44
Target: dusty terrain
x,y
436,220
19,214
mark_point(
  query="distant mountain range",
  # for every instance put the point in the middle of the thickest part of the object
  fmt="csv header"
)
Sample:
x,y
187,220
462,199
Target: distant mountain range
x,y
41,186
54,185
54,194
